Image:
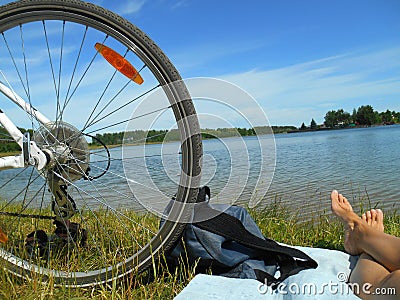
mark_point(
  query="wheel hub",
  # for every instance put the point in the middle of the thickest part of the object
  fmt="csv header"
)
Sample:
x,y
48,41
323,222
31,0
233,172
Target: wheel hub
x,y
66,148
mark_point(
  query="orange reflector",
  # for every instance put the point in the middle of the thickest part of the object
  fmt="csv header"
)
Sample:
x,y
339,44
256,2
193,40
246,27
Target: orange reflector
x,y
120,63
3,237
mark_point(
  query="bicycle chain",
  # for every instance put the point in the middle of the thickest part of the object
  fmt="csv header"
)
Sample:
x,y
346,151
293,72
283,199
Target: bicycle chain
x,y
4,213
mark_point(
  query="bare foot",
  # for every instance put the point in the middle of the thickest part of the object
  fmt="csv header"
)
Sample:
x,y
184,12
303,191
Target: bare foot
x,y
339,204
374,218
341,207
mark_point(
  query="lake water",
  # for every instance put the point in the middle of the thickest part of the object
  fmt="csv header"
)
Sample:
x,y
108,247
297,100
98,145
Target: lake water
x,y
363,164
299,169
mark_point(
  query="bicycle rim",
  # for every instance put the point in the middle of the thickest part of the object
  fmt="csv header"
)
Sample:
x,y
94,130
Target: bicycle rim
x,y
51,55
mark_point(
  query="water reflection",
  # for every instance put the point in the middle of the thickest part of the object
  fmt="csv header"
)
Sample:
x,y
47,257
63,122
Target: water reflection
x,y
361,163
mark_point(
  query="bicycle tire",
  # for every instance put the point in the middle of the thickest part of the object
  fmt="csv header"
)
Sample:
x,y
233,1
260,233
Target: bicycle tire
x,y
74,11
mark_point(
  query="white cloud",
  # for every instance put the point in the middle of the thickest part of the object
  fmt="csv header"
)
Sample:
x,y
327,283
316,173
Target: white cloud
x,y
200,54
124,8
296,93
179,4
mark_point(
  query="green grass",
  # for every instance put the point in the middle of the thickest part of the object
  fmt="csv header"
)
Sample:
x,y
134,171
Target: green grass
x,y
321,230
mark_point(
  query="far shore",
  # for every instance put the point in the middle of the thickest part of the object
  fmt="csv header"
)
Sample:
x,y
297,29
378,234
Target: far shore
x,y
340,128
94,147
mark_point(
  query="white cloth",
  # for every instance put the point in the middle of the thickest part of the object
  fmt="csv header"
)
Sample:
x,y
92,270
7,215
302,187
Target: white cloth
x,y
328,281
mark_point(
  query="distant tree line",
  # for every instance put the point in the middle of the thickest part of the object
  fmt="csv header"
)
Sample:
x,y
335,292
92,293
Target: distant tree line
x,y
6,142
153,136
362,116
130,137
158,136
258,130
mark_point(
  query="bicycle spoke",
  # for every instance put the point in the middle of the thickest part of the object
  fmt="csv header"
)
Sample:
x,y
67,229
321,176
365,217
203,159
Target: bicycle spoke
x,y
130,119
50,59
26,74
132,157
24,206
81,219
60,70
69,181
13,178
25,67
103,93
26,190
75,64
100,199
104,202
15,65
95,120
20,192
41,206
79,81
56,88
70,236
58,105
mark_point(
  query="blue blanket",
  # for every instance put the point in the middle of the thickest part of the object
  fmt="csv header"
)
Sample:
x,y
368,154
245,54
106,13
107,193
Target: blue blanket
x,y
328,281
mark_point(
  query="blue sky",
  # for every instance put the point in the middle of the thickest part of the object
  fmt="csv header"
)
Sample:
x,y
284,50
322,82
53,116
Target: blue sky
x,y
298,59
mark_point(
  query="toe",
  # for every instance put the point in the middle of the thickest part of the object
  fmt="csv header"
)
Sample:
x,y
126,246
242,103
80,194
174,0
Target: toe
x,y
364,217
379,218
373,216
334,195
335,201
379,215
369,217
342,201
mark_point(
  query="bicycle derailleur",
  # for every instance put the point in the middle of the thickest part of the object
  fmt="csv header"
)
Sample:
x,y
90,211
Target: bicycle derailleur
x,y
60,153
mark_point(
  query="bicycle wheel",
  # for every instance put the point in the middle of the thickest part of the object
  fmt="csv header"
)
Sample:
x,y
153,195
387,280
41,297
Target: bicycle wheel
x,y
99,80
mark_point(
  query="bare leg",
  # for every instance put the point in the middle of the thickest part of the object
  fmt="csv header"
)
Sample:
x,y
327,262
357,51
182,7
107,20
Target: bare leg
x,y
370,280
365,235
379,262
368,270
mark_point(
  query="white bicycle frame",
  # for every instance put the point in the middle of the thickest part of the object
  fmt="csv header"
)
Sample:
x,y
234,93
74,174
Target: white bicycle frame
x,y
31,154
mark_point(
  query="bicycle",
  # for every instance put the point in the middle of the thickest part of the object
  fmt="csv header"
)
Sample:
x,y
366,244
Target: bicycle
x,y
74,71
